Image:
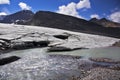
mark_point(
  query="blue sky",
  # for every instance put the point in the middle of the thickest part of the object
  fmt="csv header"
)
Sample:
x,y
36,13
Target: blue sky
x,y
79,8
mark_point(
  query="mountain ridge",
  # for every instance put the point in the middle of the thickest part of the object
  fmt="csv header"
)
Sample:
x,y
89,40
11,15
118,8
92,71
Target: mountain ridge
x,y
105,22
60,21
18,17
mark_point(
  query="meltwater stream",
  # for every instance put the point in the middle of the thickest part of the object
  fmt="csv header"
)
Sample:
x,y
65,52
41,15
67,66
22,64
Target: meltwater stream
x,y
37,64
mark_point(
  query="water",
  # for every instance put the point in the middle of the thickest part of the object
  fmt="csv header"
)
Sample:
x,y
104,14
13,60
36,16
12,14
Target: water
x,y
36,64
108,52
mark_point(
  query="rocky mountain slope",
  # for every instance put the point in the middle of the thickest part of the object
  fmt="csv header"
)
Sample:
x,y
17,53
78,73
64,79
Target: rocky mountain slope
x,y
105,22
2,17
18,17
54,20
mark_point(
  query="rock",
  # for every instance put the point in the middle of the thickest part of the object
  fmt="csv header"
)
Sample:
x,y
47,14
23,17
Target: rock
x,y
62,36
62,48
7,60
64,56
4,44
117,44
25,45
55,49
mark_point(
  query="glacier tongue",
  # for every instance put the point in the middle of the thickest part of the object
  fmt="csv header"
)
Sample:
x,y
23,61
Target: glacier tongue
x,y
11,33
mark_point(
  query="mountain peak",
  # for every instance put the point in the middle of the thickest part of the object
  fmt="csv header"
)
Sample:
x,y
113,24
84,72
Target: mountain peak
x,y
104,19
94,19
20,16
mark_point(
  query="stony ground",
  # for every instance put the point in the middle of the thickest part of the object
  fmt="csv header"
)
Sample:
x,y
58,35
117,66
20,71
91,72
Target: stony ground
x,y
59,67
102,74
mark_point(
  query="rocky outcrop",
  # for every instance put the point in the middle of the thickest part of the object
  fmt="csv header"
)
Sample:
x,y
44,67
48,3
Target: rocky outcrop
x,y
7,60
26,45
117,44
62,48
21,43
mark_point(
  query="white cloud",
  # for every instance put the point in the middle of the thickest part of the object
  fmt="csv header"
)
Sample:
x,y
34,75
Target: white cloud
x,y
3,13
4,1
95,16
71,8
83,4
115,16
24,6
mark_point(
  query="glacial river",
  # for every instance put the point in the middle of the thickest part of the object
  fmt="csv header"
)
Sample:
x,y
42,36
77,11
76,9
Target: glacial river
x,y
36,64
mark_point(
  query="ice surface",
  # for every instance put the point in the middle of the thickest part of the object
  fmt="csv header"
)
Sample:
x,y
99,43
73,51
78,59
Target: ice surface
x,y
24,33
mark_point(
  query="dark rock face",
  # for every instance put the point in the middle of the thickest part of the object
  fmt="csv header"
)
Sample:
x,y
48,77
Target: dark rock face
x,y
17,44
27,45
2,17
104,22
57,49
54,20
62,48
4,44
19,17
7,60
61,36
117,44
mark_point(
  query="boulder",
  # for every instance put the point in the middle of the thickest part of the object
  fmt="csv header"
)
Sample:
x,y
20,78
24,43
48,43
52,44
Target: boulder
x,y
25,45
117,44
7,60
62,36
64,56
55,49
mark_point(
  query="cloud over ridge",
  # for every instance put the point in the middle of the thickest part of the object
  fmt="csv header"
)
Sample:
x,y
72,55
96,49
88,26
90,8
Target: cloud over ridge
x,y
24,6
71,8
